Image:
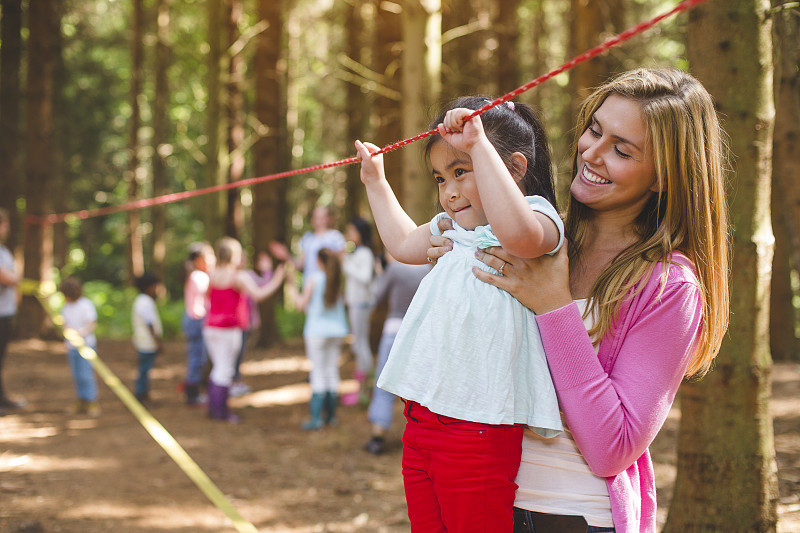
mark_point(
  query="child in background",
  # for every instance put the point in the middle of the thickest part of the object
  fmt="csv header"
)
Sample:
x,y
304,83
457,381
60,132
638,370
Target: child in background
x,y
323,333
250,317
466,359
147,331
201,261
222,331
358,267
396,286
79,314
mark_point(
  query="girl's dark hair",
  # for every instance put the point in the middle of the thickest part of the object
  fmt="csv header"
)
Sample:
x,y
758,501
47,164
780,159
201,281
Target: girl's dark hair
x,y
333,276
511,127
146,280
364,229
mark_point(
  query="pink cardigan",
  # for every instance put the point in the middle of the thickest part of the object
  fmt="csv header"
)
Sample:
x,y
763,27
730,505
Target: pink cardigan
x,y
616,401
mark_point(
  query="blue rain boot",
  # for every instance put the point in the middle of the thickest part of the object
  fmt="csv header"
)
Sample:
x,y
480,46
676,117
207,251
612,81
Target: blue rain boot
x,y
330,404
315,407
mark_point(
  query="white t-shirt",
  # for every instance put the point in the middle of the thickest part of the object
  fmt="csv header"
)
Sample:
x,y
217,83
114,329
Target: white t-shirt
x,y
554,478
77,315
145,313
469,350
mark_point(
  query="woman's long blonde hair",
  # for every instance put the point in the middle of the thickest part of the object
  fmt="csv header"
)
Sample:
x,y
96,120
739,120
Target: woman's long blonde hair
x,y
688,215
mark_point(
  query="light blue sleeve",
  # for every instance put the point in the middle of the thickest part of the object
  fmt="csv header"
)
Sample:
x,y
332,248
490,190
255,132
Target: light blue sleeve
x,y
435,223
485,238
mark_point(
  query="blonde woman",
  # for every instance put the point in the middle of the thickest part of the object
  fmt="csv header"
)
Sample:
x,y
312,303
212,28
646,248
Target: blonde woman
x,y
638,302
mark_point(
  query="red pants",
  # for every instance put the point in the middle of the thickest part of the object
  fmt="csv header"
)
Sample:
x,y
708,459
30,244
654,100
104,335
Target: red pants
x,y
459,476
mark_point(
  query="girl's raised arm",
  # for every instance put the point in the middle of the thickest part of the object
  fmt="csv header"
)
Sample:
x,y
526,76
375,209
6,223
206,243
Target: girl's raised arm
x,y
406,241
522,232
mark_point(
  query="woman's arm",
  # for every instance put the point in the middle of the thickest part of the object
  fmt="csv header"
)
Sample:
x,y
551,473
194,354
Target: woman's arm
x,y
256,292
403,238
613,415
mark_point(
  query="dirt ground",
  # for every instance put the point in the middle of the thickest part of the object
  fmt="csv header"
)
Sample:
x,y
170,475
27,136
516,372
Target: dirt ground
x,y
62,473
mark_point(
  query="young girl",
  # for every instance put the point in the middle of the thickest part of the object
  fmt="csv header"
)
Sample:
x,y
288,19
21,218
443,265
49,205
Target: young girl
x,y
469,366
80,314
222,331
358,266
323,333
201,262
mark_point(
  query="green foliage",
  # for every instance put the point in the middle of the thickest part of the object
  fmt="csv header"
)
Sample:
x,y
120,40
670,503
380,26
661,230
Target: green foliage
x,y
290,322
114,308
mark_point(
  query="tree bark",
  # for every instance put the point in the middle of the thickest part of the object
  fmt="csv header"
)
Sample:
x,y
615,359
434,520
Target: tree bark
x,y
161,146
785,185
234,221
358,104
422,53
271,150
135,252
10,102
38,249
215,203
727,477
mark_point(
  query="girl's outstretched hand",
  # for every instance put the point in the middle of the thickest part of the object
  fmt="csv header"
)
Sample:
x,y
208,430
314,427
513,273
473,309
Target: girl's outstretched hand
x,y
541,284
371,167
461,134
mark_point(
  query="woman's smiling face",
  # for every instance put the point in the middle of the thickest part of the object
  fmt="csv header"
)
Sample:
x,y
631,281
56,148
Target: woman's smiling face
x,y
458,191
615,160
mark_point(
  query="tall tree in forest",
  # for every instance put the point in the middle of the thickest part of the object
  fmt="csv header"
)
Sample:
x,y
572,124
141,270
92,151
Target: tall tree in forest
x,y
59,188
234,220
422,66
10,60
785,183
727,477
215,206
468,48
388,39
357,103
161,145
270,151
135,254
38,248
508,70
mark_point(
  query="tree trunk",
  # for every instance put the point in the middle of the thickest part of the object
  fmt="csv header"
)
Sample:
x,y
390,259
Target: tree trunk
x,y
727,477
160,134
358,105
785,185
507,54
422,53
388,46
234,221
270,152
134,251
10,102
32,320
468,48
215,203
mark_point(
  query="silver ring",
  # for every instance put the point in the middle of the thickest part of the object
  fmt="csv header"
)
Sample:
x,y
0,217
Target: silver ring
x,y
500,270
431,261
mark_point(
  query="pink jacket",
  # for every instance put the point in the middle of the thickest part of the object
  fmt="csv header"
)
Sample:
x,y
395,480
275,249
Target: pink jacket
x,y
616,401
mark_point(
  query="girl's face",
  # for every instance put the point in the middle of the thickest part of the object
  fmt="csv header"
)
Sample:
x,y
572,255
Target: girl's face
x,y
458,191
616,173
352,234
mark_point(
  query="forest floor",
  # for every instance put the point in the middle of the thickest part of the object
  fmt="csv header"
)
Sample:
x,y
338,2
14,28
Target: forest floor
x,y
62,473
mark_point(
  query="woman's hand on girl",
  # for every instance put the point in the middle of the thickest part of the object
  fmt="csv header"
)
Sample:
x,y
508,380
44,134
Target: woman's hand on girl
x,y
541,284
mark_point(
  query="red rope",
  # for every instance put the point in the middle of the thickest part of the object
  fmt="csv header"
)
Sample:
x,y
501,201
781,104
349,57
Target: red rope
x,y
174,197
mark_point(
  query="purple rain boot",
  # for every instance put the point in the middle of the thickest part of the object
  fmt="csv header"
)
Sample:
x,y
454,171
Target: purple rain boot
x,y
216,401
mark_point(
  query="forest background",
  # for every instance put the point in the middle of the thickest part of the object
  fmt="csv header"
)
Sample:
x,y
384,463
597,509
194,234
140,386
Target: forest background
x,y
104,102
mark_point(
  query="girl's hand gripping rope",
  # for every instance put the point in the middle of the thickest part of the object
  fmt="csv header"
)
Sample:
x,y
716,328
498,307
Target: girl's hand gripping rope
x,y
372,170
462,133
